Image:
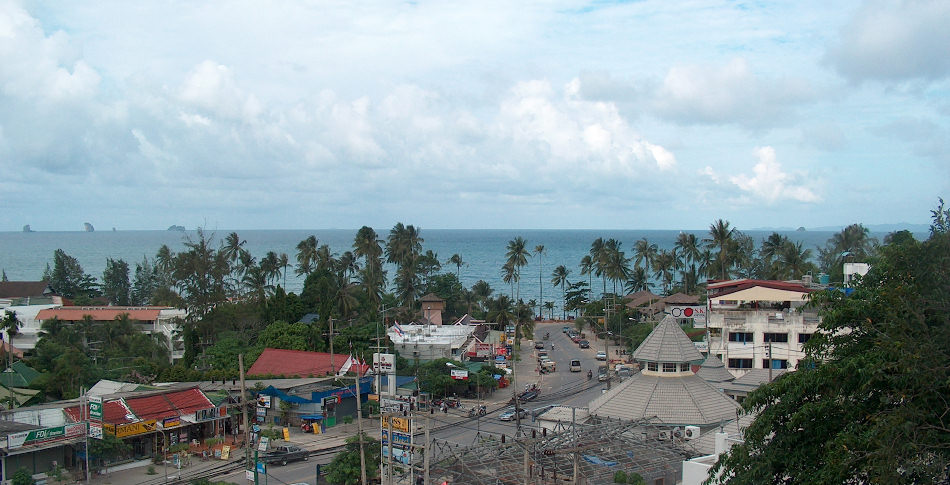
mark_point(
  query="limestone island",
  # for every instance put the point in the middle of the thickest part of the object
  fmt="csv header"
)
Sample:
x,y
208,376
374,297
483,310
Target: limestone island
x,y
88,227
27,228
176,228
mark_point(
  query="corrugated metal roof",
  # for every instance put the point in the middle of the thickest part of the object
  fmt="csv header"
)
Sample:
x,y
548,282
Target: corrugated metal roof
x,y
667,343
100,314
680,400
300,363
115,412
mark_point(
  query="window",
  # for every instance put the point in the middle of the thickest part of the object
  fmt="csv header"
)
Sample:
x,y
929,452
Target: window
x,y
669,367
776,364
652,366
744,337
684,367
740,363
803,337
715,332
776,337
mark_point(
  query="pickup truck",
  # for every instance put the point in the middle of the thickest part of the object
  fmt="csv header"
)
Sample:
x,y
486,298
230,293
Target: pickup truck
x,y
284,454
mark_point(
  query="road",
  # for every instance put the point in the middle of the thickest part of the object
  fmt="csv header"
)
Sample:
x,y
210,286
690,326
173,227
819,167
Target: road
x,y
560,387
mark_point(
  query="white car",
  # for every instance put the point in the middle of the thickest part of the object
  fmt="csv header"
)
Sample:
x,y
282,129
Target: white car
x,y
601,355
509,414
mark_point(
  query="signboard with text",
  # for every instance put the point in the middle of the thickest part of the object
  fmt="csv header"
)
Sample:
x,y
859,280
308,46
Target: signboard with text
x,y
695,312
399,424
459,374
398,438
95,430
384,363
24,438
95,408
132,429
483,350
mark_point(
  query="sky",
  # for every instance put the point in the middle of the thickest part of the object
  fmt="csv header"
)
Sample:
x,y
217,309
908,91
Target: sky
x,y
444,114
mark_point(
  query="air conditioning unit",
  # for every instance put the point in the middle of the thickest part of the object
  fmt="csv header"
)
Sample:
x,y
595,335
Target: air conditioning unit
x,y
663,436
677,432
692,432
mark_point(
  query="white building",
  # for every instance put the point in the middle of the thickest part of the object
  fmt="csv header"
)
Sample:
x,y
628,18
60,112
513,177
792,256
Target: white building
x,y
430,342
756,324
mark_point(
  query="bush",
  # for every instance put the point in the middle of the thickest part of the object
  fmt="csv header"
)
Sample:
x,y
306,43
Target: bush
x,y
620,476
150,470
347,419
22,477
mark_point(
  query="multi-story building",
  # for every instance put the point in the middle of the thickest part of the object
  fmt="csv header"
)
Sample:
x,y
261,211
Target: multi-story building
x,y
756,324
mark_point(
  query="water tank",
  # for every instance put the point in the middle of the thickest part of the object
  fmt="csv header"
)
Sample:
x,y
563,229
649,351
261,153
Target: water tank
x,y
824,278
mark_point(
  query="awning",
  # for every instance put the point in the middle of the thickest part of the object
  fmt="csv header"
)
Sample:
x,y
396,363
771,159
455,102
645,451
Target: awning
x,y
312,417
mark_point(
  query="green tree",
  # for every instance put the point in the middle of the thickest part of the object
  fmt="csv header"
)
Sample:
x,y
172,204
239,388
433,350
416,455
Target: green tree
x,y
345,467
720,236
456,260
517,254
22,477
115,282
868,405
559,278
68,279
540,252
307,255
144,283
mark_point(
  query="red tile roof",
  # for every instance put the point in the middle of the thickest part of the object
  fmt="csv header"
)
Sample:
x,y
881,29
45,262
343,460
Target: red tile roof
x,y
299,363
100,314
169,404
114,411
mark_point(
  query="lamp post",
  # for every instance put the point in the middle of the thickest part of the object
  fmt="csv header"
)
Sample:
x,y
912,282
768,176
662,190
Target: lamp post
x,y
164,454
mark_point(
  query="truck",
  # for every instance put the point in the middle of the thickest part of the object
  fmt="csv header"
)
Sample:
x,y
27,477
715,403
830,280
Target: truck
x,y
284,454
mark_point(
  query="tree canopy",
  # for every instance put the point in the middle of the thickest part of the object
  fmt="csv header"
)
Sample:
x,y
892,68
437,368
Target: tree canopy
x,y
869,404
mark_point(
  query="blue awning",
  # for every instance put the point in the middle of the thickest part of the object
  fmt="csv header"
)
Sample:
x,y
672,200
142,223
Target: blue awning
x,y
313,417
271,391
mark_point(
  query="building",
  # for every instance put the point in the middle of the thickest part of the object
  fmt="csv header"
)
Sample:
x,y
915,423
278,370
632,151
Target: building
x,y
301,364
149,319
431,342
756,324
667,387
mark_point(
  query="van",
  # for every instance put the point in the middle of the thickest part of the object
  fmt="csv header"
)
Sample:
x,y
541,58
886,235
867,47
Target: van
x,y
575,365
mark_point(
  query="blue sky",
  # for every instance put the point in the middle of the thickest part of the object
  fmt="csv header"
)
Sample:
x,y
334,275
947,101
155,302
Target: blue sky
x,y
562,114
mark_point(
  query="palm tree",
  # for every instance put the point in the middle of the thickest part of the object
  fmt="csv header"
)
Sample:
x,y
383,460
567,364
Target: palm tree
x,y
663,268
598,256
549,306
508,276
367,245
770,251
539,250
687,245
795,259
587,267
638,280
403,248
617,265
306,255
646,252
559,278
720,235
270,265
283,262
456,259
517,258
348,265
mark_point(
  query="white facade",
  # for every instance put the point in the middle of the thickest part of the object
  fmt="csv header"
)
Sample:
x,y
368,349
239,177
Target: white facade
x,y
29,326
430,342
749,323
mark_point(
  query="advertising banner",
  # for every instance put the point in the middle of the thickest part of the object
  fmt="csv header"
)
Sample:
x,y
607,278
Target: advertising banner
x,y
484,350
695,312
132,429
17,440
399,439
95,408
459,374
263,401
389,405
95,430
399,455
384,363
399,424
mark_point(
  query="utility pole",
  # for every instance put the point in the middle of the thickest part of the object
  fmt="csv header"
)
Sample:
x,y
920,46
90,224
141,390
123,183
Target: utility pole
x,y
332,365
359,424
247,436
514,382
770,361
425,457
574,440
84,414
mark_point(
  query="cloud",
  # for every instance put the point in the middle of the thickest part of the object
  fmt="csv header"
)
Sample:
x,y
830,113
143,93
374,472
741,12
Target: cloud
x,y
770,184
731,93
894,41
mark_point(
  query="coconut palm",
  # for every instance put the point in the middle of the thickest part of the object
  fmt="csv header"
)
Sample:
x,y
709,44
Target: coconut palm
x,y
517,254
456,259
587,267
663,268
403,247
539,251
348,265
687,246
283,262
720,236
598,256
307,255
646,253
795,259
270,264
549,306
617,265
559,278
638,280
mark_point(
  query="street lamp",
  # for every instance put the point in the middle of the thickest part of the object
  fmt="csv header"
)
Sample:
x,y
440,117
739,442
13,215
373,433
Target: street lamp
x,y
164,454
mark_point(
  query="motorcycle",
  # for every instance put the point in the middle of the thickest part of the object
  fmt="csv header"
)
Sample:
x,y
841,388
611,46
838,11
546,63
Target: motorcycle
x,y
477,411
590,375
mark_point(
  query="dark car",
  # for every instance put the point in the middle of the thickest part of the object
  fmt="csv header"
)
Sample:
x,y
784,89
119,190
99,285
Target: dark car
x,y
539,344
583,344
285,454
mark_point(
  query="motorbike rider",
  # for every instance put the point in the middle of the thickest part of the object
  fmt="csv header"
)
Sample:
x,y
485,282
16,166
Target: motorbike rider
x,y
590,374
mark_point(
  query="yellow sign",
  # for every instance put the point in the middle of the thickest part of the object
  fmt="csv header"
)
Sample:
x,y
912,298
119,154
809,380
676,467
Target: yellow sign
x,y
225,452
286,434
131,429
399,424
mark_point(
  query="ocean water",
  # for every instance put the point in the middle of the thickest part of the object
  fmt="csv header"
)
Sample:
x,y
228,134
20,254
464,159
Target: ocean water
x,y
24,256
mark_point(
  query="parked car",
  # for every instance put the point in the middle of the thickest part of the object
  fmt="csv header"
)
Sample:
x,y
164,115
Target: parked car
x,y
284,454
565,329
602,373
601,355
539,344
541,355
584,344
509,414
575,365
548,365
576,338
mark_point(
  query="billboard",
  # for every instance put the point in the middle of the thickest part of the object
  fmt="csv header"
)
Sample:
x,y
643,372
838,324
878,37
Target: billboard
x,y
459,374
695,312
483,350
384,363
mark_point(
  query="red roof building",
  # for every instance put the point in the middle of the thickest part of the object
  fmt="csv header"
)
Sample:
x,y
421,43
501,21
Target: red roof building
x,y
114,411
100,314
169,405
296,363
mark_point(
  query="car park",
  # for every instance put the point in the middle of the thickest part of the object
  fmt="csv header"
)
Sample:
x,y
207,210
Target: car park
x,y
584,344
509,414
601,355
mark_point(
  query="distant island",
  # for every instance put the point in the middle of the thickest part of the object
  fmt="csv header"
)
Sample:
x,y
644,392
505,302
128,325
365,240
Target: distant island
x,y
176,228
800,229
27,228
88,227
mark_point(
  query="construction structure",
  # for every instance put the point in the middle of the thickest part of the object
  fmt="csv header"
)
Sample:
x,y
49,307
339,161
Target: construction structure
x,y
590,453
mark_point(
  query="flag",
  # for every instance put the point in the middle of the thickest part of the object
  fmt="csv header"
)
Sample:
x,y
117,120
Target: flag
x,y
398,329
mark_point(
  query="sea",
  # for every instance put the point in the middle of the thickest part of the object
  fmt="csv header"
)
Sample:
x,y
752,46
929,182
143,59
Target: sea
x,y
24,256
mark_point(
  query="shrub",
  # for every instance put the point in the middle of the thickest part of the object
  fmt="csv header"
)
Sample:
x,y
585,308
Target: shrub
x,y
150,470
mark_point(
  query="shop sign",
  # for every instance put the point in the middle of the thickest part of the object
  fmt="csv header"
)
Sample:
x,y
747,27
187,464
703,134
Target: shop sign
x,y
263,401
95,430
399,455
262,412
484,350
384,363
95,407
459,374
17,440
171,422
696,312
388,405
132,429
399,424
398,438
262,445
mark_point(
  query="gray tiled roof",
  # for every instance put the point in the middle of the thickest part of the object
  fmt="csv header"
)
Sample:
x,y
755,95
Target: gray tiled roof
x,y
713,370
679,400
667,343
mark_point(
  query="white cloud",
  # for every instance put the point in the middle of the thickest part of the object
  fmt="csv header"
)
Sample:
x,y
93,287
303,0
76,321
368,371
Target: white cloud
x,y
729,93
770,184
895,41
